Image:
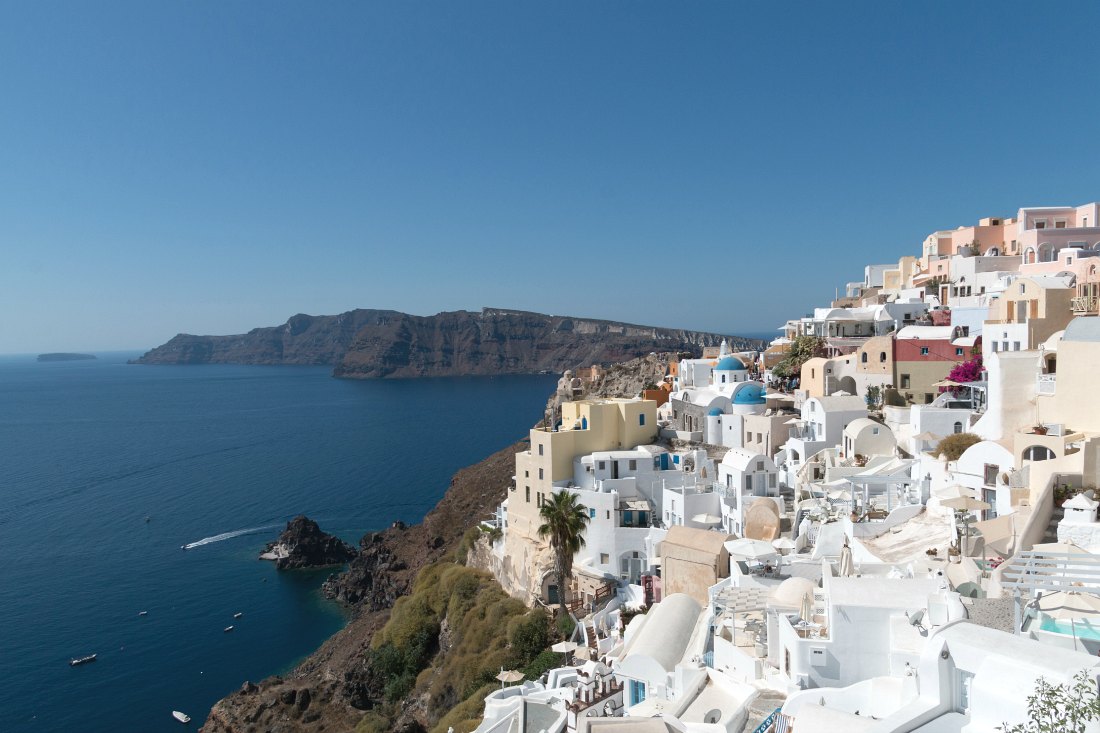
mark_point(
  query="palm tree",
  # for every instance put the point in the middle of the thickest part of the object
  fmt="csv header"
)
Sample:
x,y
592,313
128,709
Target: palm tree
x,y
563,523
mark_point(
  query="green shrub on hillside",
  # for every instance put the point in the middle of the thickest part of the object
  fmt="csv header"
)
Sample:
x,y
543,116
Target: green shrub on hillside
x,y
479,626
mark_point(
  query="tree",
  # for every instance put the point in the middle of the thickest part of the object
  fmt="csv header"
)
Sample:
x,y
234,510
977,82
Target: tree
x,y
873,398
563,523
1066,708
802,349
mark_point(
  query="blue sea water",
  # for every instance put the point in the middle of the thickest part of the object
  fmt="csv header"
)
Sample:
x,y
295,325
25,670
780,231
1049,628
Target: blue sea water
x,y
225,454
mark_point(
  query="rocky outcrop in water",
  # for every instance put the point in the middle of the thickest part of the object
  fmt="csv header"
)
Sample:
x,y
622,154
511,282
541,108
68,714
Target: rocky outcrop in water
x,y
380,343
303,545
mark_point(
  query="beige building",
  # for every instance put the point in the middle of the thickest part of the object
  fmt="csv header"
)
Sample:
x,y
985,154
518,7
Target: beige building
x,y
1029,312
587,426
693,560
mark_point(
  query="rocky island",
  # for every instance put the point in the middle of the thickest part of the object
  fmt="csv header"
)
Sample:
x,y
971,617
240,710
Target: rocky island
x,y
362,344
303,545
65,356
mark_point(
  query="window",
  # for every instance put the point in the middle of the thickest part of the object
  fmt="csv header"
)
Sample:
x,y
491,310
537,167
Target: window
x,y
905,381
958,351
604,558
957,428
592,513
748,483
527,474
928,397
633,464
1023,288
528,493
1040,223
601,465
863,358
1004,346
759,437
990,474
882,356
609,514
874,431
641,419
540,449
1015,345
771,480
1059,223
924,351
994,345
759,465
541,475
628,516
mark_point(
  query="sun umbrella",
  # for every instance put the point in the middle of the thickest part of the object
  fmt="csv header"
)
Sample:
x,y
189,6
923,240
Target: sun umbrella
x,y
954,491
564,647
1064,547
509,676
706,519
794,421
750,549
783,543
927,435
947,383
1071,605
965,504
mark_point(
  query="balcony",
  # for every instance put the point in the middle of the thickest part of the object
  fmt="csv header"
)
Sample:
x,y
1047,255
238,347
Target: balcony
x,y
1045,384
1083,304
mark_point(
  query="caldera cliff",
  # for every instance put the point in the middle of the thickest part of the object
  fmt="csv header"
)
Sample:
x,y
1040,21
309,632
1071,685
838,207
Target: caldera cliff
x,y
380,343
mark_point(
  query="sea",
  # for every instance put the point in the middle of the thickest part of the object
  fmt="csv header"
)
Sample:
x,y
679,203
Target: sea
x,y
108,469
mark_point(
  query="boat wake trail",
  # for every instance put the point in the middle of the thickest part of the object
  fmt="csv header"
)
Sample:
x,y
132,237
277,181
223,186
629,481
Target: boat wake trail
x,y
229,536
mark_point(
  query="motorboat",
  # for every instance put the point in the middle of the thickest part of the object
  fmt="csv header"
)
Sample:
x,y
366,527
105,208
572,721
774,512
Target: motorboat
x,y
181,717
143,613
238,614
81,660
227,629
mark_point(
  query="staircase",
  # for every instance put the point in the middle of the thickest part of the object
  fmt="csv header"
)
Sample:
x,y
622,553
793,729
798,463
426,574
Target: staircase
x,y
1051,534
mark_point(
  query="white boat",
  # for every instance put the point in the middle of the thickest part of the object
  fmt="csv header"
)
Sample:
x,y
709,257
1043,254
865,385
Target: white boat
x,y
81,660
143,613
238,614
227,629
181,717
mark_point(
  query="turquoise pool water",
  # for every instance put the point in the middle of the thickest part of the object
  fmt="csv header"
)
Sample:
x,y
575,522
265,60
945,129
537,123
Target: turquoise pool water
x,y
1083,629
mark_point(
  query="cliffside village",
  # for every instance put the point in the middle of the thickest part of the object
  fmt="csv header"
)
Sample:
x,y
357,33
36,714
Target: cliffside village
x,y
900,535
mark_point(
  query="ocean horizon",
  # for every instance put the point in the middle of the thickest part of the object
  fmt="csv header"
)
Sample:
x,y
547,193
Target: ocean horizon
x,y
111,468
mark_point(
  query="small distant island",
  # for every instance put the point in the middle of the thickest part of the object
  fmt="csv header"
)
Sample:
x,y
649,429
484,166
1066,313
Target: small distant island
x,y
64,356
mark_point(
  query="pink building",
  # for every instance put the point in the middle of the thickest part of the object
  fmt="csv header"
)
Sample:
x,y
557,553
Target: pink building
x,y
1036,233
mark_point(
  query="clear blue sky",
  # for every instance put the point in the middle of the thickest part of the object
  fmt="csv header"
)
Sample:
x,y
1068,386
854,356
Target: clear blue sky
x,y
209,167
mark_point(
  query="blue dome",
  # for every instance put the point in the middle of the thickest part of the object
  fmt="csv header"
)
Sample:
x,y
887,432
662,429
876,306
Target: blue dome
x,y
750,394
729,364
715,411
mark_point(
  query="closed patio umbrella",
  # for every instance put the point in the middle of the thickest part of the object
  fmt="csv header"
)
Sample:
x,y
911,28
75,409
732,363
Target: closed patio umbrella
x,y
847,565
806,610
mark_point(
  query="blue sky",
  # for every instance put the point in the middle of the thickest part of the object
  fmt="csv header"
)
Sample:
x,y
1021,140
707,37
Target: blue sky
x,y
210,167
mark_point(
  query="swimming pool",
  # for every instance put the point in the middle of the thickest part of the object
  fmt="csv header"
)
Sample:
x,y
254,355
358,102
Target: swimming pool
x,y
1083,629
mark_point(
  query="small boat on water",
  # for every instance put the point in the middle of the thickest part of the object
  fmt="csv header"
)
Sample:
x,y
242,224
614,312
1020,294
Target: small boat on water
x,y
81,660
143,613
183,547
181,717
227,629
238,614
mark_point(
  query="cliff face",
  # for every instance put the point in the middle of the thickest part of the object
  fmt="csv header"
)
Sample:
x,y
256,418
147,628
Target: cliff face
x,y
333,687
374,343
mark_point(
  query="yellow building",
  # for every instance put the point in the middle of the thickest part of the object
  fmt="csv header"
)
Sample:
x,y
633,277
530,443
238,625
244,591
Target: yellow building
x,y
587,426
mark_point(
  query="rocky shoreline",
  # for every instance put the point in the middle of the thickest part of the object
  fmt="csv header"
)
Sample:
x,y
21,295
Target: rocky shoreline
x,y
333,687
303,545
